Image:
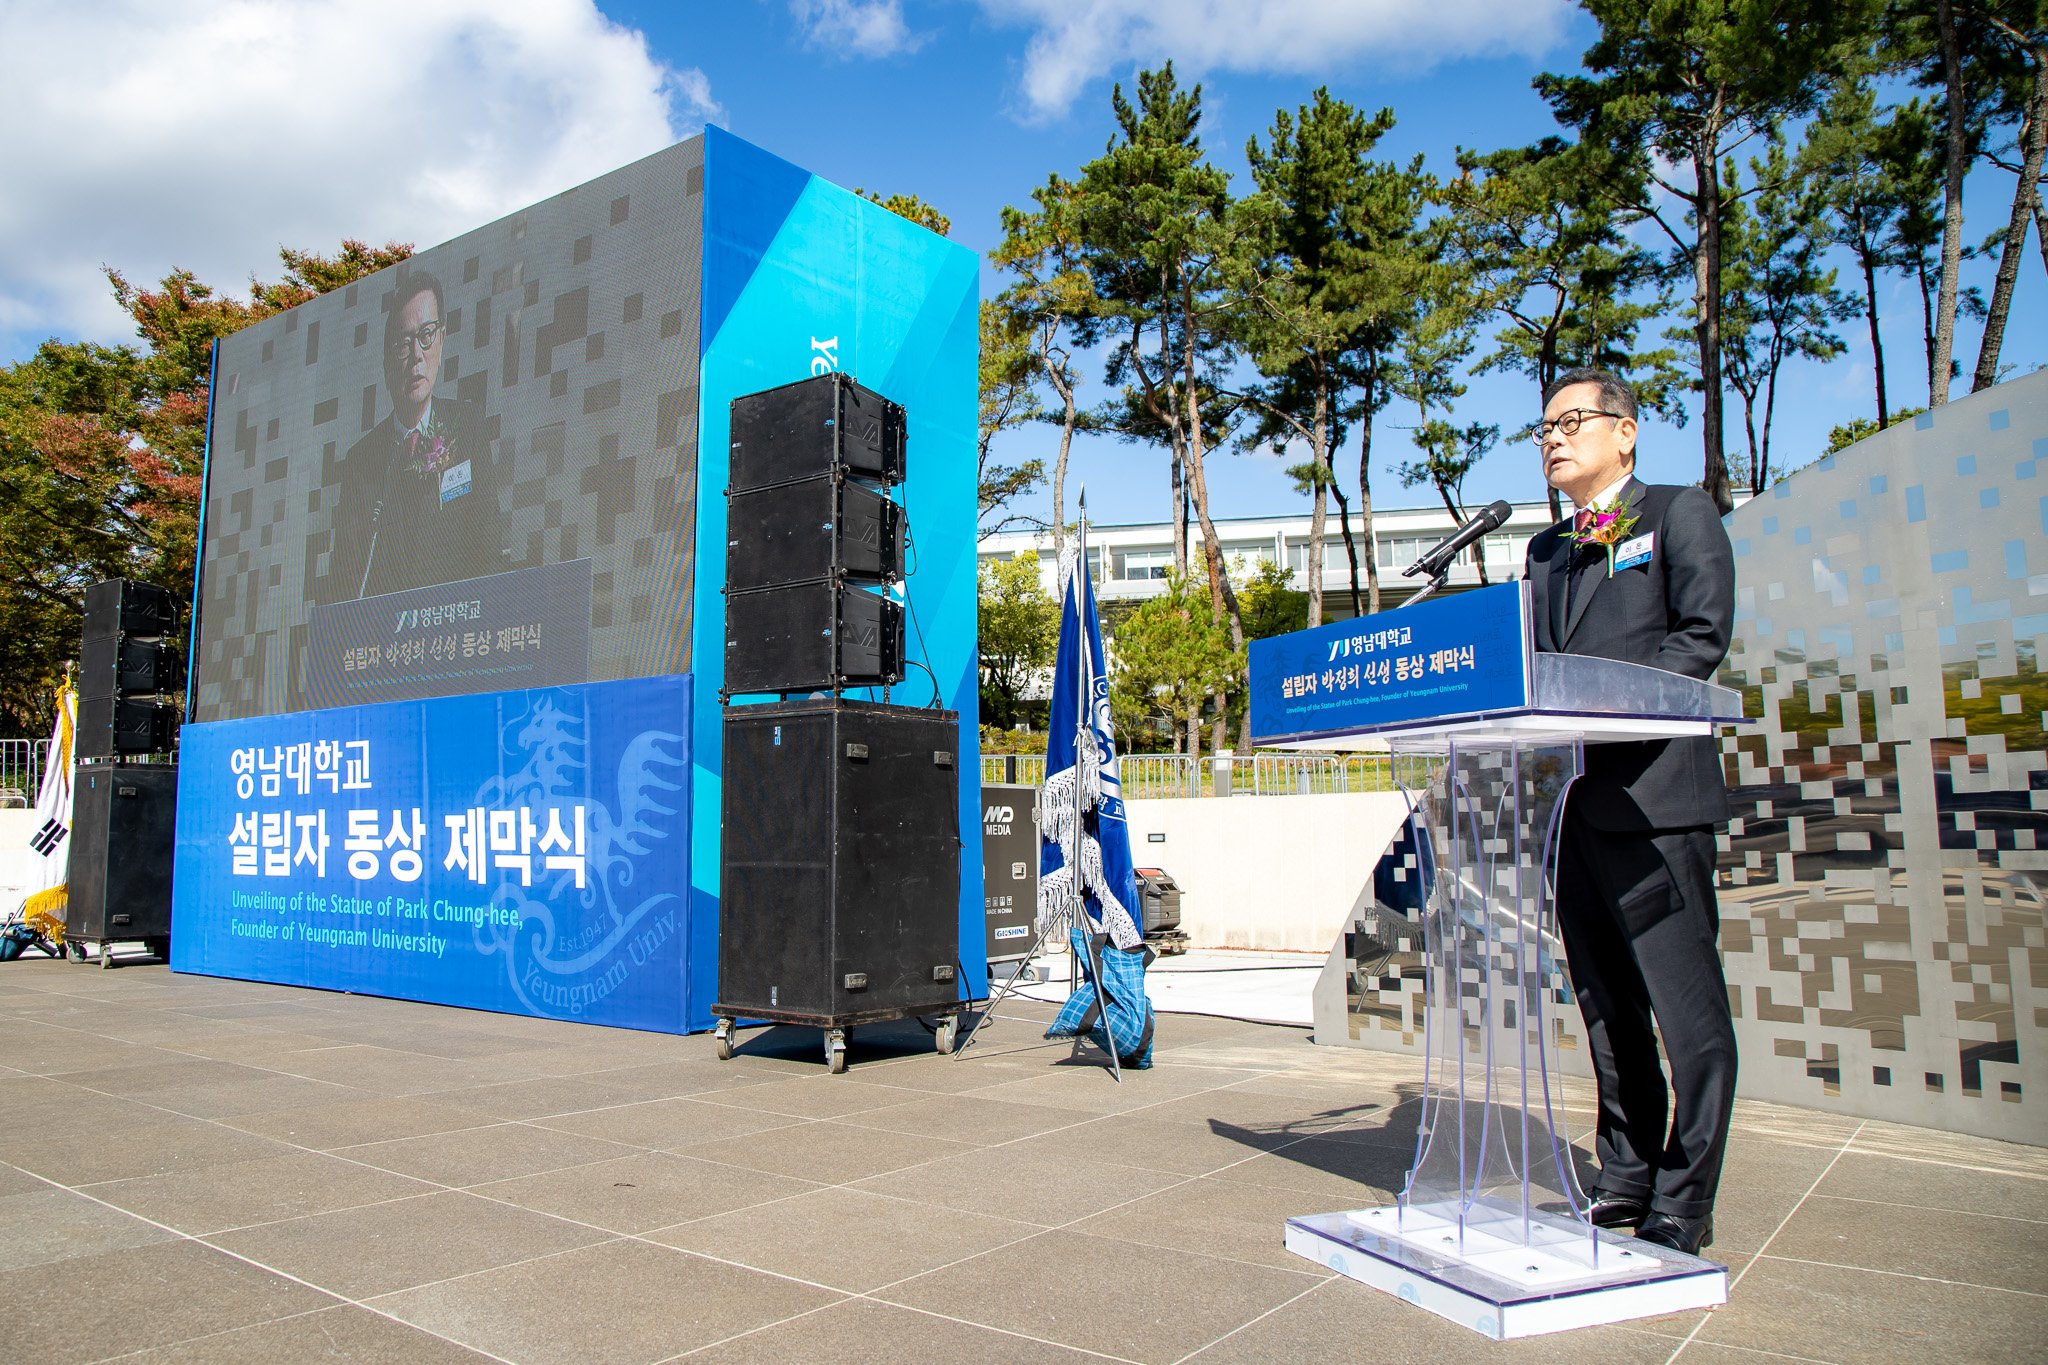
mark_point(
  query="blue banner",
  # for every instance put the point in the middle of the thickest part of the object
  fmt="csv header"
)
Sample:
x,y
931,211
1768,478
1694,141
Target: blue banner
x,y
1450,656
521,851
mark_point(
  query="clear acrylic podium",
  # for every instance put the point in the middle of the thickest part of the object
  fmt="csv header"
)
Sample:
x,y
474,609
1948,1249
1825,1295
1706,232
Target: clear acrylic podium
x,y
1491,1228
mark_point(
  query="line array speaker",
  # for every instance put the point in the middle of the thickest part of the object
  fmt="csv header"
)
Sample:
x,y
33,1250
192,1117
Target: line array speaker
x,y
815,636
123,725
824,527
111,665
125,666
123,606
812,427
839,869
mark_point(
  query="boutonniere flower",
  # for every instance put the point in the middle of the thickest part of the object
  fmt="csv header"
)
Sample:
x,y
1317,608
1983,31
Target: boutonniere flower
x,y
428,452
1610,526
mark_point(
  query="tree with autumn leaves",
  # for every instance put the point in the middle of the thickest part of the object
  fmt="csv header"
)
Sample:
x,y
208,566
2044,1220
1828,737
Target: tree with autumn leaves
x,y
101,454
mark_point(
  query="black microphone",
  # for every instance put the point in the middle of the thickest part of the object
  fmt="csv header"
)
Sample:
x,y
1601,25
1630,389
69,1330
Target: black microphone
x,y
1488,520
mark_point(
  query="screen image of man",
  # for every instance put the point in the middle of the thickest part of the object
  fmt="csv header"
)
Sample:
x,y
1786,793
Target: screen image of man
x,y
1642,573
418,495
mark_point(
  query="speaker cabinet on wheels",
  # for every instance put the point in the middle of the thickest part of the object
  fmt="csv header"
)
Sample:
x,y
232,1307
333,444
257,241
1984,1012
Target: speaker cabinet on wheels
x,y
122,838
839,876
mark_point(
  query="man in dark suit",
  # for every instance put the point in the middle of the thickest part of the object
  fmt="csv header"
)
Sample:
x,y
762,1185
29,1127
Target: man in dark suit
x,y
1642,573
417,504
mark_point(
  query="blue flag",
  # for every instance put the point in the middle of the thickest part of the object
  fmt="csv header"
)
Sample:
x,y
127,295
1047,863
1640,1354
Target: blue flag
x,y
1085,854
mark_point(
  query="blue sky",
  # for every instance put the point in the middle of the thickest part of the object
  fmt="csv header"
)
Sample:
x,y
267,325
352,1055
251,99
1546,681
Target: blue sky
x,y
285,129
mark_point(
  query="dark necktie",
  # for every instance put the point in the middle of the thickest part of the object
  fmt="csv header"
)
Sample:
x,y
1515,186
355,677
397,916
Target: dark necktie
x,y
1582,521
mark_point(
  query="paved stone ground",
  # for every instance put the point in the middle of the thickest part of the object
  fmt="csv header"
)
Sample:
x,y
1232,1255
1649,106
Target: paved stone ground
x,y
202,1170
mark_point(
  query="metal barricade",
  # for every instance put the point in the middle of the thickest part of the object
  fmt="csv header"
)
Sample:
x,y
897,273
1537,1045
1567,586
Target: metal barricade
x,y
1153,777
21,769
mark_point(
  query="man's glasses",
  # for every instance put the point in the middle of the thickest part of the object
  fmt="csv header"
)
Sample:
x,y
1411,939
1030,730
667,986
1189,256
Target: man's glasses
x,y
1567,423
427,333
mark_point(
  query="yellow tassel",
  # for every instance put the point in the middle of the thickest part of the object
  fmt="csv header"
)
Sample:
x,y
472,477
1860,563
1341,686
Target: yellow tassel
x,y
44,913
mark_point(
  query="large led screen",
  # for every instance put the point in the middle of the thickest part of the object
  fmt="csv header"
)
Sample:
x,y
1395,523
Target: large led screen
x,y
475,471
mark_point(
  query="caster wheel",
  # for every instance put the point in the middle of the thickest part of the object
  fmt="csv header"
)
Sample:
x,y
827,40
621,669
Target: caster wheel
x,y
835,1050
722,1041
106,956
75,951
946,1034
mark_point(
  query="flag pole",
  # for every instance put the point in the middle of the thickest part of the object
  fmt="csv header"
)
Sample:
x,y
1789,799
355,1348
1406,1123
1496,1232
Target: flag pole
x,y
1084,733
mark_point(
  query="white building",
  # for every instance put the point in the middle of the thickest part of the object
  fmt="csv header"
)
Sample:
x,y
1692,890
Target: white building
x,y
1131,561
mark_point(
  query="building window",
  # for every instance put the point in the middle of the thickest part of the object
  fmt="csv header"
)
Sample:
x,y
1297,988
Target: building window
x,y
1140,566
1253,553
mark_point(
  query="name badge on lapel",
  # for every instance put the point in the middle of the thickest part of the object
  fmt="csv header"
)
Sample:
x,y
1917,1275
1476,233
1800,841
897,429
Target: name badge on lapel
x,y
454,481
1631,553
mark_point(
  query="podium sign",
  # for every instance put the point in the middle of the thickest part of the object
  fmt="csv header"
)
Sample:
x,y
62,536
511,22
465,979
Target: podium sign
x,y
1466,655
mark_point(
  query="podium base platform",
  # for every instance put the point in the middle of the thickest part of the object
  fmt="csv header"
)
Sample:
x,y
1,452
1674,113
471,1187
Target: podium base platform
x,y
1504,1289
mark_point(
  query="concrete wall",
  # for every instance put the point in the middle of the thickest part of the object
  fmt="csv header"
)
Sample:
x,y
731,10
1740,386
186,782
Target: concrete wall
x,y
1270,872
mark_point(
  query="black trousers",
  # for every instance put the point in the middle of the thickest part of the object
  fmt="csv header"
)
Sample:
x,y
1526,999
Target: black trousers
x,y
1639,920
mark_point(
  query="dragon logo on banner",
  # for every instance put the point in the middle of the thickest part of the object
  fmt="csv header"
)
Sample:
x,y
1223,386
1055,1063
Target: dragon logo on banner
x,y
563,963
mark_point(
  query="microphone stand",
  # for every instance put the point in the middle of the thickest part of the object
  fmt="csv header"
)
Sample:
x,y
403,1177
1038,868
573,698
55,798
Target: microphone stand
x,y
1436,581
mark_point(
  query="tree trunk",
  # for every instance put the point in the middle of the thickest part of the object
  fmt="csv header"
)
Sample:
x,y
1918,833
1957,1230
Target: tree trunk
x,y
1707,297
1350,545
1749,432
1222,597
1222,600
1319,442
1952,196
2016,229
1546,375
2041,227
1180,513
1763,468
1059,468
1366,533
1864,254
1926,322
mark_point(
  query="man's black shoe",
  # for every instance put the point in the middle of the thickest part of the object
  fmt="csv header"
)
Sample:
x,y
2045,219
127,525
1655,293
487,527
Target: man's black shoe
x,y
1616,1210
1680,1234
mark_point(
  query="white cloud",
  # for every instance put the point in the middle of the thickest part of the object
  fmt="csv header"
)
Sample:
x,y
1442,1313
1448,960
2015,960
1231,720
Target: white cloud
x,y
1074,42
148,136
855,28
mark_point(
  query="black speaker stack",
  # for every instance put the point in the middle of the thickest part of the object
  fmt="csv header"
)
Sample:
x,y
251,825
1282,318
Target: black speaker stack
x,y
125,786
125,667
813,540
839,865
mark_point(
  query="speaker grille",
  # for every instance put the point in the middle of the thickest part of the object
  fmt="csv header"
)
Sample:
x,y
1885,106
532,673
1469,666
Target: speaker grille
x,y
809,637
812,529
839,877
122,606
121,849
109,665
813,427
